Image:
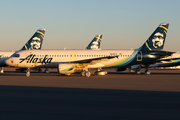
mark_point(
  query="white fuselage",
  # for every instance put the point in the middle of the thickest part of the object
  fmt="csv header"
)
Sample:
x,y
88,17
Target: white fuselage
x,y
51,58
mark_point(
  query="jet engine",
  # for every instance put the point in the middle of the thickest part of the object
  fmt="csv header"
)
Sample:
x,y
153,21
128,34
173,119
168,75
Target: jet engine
x,y
68,69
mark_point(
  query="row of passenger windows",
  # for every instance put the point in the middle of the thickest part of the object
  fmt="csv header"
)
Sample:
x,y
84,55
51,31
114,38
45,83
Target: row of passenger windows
x,y
80,55
4,56
17,55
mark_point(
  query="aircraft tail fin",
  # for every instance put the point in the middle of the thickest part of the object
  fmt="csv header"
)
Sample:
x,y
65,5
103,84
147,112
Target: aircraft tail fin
x,y
156,41
95,43
35,42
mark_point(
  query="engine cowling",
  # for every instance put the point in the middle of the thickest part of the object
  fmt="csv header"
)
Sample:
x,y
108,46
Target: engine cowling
x,y
66,68
135,67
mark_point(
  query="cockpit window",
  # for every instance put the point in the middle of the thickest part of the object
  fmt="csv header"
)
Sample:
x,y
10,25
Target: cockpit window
x,y
15,55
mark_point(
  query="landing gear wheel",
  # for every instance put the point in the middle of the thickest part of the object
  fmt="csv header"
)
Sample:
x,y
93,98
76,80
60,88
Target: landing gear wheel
x,y
28,74
138,72
83,73
2,71
147,72
87,74
47,71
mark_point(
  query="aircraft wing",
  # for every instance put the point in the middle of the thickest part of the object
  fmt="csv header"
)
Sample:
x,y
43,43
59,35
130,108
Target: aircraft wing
x,y
94,59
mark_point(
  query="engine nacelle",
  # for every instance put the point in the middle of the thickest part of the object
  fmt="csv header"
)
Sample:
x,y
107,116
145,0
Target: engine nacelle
x,y
66,68
135,67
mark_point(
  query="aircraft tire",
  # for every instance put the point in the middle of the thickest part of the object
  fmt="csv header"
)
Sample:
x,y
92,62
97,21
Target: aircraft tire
x,y
147,72
47,71
28,74
87,74
83,73
138,72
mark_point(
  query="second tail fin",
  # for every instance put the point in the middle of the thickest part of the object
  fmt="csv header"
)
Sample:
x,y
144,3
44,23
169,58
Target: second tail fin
x,y
156,41
35,42
95,43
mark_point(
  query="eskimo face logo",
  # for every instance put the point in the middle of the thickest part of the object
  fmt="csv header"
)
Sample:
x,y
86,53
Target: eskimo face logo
x,y
94,45
158,40
36,43
32,59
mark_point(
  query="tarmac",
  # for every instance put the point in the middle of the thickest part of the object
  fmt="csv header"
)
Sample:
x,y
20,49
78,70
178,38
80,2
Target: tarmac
x,y
118,95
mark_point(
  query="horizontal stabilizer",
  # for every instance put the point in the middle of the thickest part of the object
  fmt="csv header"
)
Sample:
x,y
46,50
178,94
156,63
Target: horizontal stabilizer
x,y
168,59
163,54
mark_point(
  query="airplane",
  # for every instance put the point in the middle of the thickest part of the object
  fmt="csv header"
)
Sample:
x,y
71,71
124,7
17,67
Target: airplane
x,y
35,42
71,61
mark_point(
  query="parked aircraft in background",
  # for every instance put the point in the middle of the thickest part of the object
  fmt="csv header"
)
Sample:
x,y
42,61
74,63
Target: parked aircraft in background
x,y
70,61
95,43
35,42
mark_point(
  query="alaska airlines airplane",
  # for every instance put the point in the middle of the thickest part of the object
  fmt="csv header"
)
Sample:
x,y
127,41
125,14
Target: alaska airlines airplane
x,y
35,42
71,61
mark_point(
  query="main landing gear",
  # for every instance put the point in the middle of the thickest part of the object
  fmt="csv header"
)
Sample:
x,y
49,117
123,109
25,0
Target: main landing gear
x,y
85,73
2,70
138,72
46,70
147,72
28,72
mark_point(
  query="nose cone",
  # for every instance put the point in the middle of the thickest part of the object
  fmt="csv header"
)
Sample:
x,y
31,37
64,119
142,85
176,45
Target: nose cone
x,y
8,61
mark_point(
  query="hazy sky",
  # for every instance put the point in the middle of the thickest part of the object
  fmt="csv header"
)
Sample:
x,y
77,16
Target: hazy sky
x,y
124,24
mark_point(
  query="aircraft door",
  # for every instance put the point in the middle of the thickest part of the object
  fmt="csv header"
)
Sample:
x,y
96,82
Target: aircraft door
x,y
139,56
